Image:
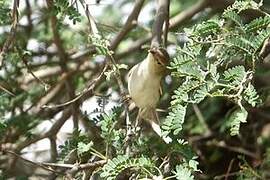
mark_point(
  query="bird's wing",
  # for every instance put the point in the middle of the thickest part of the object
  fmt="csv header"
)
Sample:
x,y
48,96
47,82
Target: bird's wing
x,y
160,90
132,69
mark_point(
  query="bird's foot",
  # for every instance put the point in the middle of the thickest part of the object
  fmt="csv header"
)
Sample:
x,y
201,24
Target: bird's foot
x,y
126,98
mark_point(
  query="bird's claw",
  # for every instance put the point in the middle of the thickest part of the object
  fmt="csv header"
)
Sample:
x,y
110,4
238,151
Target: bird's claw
x,y
126,98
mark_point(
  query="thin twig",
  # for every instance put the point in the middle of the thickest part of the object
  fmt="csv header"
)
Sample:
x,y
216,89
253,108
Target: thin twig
x,y
128,26
32,162
188,13
226,175
201,119
239,150
80,166
58,165
229,169
162,15
53,131
63,56
90,88
6,90
12,34
46,86
167,24
89,166
53,148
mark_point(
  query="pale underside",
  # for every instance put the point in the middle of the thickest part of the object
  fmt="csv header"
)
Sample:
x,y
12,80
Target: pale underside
x,y
144,87
144,90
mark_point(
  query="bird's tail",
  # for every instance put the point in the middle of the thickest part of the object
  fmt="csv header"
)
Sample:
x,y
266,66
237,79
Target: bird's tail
x,y
157,129
151,116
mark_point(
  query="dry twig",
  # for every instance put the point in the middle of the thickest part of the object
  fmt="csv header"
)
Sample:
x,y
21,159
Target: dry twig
x,y
11,36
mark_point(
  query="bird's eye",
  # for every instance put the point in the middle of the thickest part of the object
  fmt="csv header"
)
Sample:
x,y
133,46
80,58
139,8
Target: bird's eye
x,y
159,63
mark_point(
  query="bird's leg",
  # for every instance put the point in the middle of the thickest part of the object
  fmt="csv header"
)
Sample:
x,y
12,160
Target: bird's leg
x,y
138,119
126,98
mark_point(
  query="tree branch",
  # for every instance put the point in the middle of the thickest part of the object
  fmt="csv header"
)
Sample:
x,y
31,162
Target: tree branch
x,y
189,13
161,17
40,165
239,150
63,59
53,130
129,24
12,34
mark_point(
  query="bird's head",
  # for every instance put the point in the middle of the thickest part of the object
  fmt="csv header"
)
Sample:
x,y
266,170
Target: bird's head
x,y
159,57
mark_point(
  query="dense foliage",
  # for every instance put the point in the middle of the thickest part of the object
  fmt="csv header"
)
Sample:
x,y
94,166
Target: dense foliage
x,y
64,63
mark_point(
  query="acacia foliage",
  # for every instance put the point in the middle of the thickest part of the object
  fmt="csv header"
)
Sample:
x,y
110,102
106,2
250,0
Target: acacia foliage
x,y
211,46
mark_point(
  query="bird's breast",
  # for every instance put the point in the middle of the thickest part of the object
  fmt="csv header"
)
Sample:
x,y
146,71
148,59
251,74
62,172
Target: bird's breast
x,y
144,88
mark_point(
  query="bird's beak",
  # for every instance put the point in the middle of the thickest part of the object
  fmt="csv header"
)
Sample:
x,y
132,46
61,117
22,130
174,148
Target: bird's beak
x,y
152,51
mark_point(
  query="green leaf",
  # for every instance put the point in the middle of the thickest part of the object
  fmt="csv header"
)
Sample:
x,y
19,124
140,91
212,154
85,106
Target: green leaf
x,y
239,6
232,15
5,13
72,143
118,164
258,39
257,24
183,173
235,75
185,63
207,28
236,118
63,8
191,69
101,44
174,120
251,96
82,147
241,44
179,97
193,164
201,93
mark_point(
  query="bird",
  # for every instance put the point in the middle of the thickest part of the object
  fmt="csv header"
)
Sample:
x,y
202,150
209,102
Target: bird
x,y
144,86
